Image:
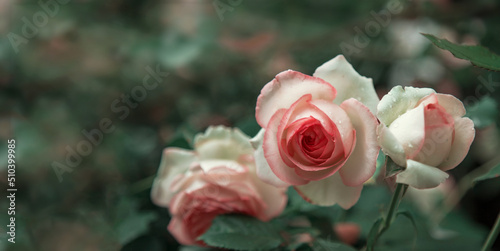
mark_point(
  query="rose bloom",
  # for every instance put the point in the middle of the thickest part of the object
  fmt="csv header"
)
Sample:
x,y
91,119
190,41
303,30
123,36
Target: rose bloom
x,y
218,177
424,132
319,133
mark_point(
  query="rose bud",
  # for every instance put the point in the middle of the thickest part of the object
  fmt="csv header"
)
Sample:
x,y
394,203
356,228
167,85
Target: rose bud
x,y
423,132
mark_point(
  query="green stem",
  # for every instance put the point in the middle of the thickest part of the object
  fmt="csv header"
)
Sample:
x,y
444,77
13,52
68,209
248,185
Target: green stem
x,y
393,207
493,235
396,198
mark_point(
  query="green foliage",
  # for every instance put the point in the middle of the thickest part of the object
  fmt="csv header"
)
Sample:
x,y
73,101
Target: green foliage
x,y
483,113
67,76
491,174
325,245
129,222
241,233
477,55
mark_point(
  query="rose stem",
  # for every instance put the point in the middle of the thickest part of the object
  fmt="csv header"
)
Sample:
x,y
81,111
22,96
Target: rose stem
x,y
393,207
396,198
493,235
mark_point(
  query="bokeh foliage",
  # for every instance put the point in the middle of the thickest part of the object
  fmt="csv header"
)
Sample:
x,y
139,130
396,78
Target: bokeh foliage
x,y
90,53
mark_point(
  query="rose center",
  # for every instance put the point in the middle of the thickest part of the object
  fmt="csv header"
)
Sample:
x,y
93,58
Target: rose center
x,y
312,138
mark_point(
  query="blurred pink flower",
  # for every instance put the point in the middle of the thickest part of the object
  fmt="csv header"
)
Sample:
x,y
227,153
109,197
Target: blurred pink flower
x,y
218,177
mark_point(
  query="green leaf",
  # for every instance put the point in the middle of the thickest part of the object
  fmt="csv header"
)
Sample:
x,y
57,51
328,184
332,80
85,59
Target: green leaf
x,y
391,168
133,226
193,248
477,55
241,233
483,113
301,230
129,222
372,235
325,245
492,173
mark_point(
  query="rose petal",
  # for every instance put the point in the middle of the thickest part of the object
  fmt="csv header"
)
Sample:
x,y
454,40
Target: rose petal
x,y
303,108
361,165
438,135
220,142
274,198
264,172
330,191
272,154
304,113
349,84
293,151
174,162
229,165
421,176
300,114
398,101
391,146
341,119
286,88
464,135
409,129
180,231
452,105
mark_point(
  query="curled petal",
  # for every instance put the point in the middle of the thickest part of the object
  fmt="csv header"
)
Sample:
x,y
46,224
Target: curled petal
x,y
438,135
452,105
330,191
274,198
264,172
219,142
362,162
409,130
174,162
399,101
421,176
286,88
349,84
180,231
464,135
390,145
272,153
230,166
341,119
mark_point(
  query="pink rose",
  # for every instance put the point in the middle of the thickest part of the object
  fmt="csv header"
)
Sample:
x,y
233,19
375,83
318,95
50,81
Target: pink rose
x,y
319,133
425,133
218,177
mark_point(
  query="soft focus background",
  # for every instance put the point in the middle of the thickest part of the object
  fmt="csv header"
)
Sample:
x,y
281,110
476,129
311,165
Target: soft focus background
x,y
67,66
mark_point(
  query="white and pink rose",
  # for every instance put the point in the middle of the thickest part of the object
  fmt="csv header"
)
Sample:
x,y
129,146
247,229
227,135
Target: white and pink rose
x,y
424,132
319,133
218,177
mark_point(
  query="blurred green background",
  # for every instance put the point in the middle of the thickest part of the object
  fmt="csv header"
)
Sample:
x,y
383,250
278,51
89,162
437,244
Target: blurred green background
x,y
66,73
